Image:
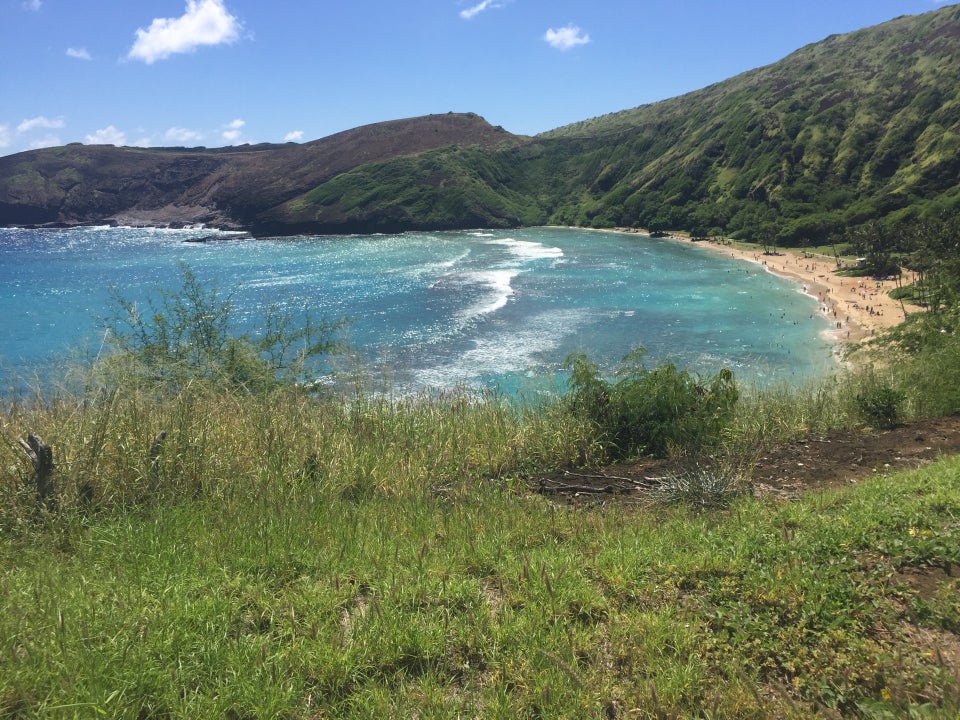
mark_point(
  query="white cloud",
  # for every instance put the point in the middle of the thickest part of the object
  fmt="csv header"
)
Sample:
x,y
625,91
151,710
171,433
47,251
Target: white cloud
x,y
5,137
232,133
39,122
79,53
478,8
566,37
295,136
33,5
206,22
181,135
107,136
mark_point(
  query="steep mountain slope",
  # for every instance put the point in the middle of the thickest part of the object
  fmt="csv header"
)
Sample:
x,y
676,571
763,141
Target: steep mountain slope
x,y
856,127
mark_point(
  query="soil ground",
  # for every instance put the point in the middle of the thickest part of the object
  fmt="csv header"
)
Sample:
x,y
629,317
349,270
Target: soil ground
x,y
833,459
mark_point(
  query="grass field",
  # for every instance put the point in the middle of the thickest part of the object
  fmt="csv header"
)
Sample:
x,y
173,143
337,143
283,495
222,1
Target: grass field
x,y
294,558
212,551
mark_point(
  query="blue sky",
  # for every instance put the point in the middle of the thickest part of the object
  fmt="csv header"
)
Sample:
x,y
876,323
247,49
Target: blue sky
x,y
226,72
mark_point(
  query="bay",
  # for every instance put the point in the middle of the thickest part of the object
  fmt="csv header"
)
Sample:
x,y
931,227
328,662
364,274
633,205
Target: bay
x,y
481,309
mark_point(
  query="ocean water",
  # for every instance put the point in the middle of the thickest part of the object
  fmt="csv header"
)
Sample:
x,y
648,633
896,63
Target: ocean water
x,y
482,309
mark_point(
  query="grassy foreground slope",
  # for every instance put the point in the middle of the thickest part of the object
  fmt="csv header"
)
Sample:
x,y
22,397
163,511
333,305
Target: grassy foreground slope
x,y
375,560
216,552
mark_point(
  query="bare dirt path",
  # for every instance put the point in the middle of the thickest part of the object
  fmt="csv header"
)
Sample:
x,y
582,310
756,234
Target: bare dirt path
x,y
832,459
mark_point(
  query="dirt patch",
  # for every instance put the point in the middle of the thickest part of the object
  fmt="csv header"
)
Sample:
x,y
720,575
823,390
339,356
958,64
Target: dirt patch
x,y
832,459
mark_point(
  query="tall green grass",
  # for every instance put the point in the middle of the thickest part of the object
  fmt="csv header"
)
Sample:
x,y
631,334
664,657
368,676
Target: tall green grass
x,y
218,443
293,598
289,554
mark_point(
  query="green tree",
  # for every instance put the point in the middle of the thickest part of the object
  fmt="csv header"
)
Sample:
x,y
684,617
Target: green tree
x,y
877,243
935,257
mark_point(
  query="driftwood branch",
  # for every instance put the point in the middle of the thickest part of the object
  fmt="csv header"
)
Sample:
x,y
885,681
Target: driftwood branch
x,y
41,455
580,483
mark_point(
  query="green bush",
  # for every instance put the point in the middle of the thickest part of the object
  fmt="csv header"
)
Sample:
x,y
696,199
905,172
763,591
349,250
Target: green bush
x,y
651,411
190,334
880,406
925,353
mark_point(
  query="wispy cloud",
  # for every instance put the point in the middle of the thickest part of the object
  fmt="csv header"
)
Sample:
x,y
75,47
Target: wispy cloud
x,y
182,135
107,136
232,133
39,122
566,37
479,8
295,136
79,53
33,5
206,22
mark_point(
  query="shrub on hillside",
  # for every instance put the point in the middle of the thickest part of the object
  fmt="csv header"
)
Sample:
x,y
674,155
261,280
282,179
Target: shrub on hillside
x,y
879,405
654,411
190,334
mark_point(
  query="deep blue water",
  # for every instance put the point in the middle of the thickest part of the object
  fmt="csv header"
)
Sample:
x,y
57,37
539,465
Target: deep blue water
x,y
432,310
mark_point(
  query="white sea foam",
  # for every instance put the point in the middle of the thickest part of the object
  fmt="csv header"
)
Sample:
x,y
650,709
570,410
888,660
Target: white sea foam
x,y
438,266
511,351
500,286
528,249
278,281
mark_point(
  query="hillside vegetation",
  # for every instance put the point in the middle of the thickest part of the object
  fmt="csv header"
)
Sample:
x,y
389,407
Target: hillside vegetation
x,y
858,127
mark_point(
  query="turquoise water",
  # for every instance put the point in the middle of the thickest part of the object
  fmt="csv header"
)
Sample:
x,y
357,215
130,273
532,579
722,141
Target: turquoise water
x,y
432,310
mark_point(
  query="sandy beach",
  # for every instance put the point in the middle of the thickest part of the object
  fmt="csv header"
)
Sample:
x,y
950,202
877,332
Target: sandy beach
x,y
858,307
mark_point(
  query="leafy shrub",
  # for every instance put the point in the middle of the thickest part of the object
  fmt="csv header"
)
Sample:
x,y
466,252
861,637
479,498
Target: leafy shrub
x,y
880,405
923,359
651,411
190,335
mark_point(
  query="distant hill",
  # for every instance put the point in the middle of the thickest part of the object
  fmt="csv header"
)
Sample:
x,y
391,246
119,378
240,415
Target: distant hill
x,y
857,127
254,187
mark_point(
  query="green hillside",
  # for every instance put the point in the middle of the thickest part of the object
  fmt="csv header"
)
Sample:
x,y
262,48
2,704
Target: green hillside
x,y
859,126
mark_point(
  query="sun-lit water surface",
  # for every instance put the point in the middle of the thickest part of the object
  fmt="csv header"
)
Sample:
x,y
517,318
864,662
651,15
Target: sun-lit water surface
x,y
499,309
